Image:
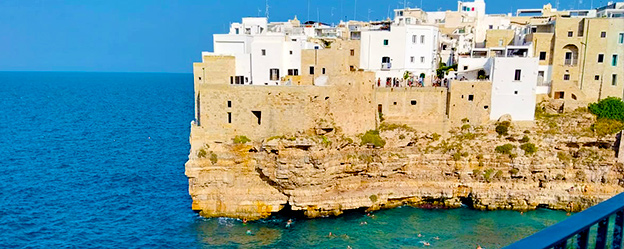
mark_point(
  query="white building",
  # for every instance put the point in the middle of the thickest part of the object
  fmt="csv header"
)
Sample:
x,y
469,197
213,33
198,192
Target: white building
x,y
514,78
264,52
514,81
390,50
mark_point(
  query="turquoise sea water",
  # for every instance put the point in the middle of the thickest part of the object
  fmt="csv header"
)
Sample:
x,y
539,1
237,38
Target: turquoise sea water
x,y
97,160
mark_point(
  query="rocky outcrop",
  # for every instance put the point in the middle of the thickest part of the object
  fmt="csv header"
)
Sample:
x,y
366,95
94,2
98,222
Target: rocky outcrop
x,y
323,173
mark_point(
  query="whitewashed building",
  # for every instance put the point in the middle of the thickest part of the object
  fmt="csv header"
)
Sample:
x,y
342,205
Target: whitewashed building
x,y
514,78
265,52
390,50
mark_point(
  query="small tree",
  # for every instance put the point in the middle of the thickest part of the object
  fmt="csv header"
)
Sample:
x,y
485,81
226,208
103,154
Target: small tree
x,y
610,108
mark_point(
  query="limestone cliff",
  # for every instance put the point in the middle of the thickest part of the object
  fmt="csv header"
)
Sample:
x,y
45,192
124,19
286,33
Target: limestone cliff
x,y
324,173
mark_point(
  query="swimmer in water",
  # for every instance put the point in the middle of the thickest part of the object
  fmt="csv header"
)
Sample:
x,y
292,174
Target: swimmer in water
x,y
436,238
479,246
419,235
248,232
330,234
288,223
244,221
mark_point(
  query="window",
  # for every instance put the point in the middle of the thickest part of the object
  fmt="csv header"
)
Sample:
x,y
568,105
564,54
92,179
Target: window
x,y
491,27
274,74
236,30
500,42
559,95
600,58
263,52
323,70
614,80
229,117
542,56
385,59
385,42
422,39
258,115
290,51
516,92
470,97
518,74
597,77
395,103
352,52
408,20
229,104
311,69
414,39
603,34
293,72
570,33
566,77
239,80
568,58
422,59
413,102
614,60
540,75
621,38
412,59
465,68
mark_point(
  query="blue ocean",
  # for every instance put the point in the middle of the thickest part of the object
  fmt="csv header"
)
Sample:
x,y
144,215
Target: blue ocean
x,y
96,160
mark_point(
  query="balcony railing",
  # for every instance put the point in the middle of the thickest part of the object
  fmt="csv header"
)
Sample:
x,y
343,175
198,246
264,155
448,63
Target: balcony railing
x,y
386,66
576,229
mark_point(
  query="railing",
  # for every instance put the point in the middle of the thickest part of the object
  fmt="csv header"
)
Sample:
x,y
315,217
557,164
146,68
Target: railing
x,y
576,228
386,66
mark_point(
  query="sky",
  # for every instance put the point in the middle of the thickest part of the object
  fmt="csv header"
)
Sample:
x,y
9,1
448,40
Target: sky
x,y
168,35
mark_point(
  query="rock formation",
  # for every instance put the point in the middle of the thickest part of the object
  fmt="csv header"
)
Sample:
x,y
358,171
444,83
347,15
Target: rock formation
x,y
320,172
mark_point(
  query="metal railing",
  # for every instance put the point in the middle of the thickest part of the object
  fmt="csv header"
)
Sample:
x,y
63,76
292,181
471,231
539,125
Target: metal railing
x,y
386,66
576,229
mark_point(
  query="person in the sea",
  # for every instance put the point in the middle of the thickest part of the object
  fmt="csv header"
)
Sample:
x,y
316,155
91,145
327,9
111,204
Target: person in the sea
x,y
479,247
288,223
248,232
244,221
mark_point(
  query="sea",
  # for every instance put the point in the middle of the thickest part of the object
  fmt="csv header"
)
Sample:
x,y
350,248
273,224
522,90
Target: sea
x,y
96,160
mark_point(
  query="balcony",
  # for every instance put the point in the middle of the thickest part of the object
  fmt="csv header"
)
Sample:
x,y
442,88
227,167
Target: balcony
x,y
574,232
386,66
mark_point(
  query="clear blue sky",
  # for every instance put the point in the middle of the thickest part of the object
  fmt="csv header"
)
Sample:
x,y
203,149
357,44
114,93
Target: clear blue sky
x,y
163,35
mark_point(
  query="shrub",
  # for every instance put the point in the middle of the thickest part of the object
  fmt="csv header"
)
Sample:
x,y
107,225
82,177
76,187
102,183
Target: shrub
x,y
609,108
213,158
527,132
525,139
401,136
502,129
465,127
465,120
476,173
564,157
373,198
514,171
604,127
201,153
529,148
498,175
381,117
480,157
241,139
487,175
457,156
372,137
505,149
435,136
390,127
325,141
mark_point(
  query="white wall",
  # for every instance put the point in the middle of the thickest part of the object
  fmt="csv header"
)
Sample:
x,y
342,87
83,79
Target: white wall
x,y
400,49
516,98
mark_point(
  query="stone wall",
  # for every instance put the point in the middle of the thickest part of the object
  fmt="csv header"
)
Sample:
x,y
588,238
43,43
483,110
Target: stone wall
x,y
423,109
469,101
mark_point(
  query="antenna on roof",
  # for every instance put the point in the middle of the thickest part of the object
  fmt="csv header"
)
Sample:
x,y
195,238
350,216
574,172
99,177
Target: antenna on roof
x,y
355,10
266,12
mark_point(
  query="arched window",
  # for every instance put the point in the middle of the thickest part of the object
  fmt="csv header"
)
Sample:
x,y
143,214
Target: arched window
x,y
571,55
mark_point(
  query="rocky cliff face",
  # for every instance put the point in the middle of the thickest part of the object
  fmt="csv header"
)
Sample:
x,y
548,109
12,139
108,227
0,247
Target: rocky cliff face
x,y
322,173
